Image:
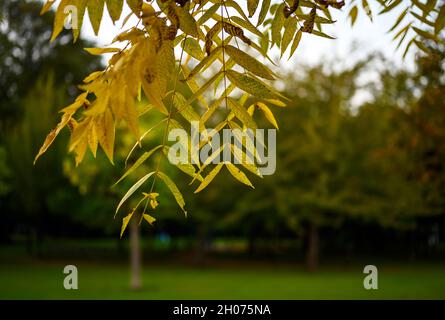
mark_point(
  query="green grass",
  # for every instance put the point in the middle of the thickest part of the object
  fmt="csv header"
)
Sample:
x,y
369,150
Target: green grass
x,y
44,280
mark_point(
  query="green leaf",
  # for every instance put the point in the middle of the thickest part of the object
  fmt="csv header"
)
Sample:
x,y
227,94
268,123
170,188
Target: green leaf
x,y
174,190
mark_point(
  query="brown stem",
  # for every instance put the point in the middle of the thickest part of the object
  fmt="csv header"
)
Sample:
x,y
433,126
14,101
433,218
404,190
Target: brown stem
x,y
135,256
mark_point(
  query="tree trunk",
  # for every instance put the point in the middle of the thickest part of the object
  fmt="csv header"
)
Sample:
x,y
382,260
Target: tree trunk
x,y
313,247
135,256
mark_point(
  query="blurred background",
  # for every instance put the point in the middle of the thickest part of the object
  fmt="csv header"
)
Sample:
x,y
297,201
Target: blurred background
x,y
360,180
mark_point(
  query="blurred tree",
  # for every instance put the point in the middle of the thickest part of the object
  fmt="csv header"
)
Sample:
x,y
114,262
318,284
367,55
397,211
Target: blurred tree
x,y
427,119
35,77
35,194
341,160
26,54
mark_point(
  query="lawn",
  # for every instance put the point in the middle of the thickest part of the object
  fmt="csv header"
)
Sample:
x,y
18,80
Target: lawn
x,y
44,280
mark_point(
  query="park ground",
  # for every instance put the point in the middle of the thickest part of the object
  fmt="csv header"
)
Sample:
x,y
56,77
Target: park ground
x,y
32,278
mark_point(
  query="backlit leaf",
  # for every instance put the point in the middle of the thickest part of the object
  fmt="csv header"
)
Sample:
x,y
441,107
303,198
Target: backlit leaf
x,y
174,190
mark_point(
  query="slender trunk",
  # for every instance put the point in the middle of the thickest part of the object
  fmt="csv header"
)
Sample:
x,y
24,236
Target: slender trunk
x,y
135,256
313,247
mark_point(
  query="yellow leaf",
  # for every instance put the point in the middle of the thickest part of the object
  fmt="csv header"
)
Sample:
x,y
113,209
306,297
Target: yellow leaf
x,y
165,66
295,43
125,222
59,19
276,102
139,162
241,157
249,63
268,114
238,174
133,189
148,218
80,150
115,9
81,7
353,14
47,6
277,25
241,113
95,13
68,113
79,133
250,85
204,63
186,22
92,139
93,76
105,133
135,6
130,114
187,168
252,5
99,51
289,33
174,190
192,47
209,177
264,10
